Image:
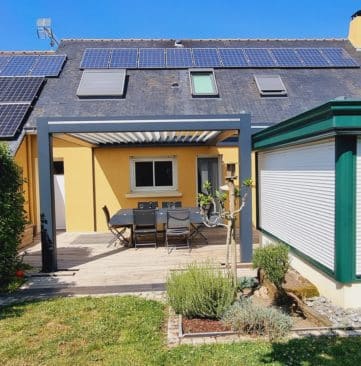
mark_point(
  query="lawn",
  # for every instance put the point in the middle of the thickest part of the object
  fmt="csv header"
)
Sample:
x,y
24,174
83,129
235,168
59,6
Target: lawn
x,y
130,331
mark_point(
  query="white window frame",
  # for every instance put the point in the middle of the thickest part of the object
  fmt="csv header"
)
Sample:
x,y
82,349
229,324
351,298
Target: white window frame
x,y
154,188
212,77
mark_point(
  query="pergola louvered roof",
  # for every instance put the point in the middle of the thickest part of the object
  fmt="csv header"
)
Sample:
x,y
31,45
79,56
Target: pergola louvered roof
x,y
150,137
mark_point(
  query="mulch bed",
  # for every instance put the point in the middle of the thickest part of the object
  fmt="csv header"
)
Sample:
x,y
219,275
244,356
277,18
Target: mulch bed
x,y
203,326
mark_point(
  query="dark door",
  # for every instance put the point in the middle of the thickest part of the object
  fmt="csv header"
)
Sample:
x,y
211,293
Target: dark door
x,y
208,170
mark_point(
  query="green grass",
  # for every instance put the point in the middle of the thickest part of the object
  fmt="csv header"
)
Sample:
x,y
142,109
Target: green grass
x,y
131,331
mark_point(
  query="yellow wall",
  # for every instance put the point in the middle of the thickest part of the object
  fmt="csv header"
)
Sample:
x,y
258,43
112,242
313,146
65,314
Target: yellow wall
x,y
354,34
101,176
78,177
21,159
112,175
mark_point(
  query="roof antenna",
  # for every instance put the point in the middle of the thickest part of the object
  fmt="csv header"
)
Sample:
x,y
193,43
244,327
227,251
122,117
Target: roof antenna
x,y
44,31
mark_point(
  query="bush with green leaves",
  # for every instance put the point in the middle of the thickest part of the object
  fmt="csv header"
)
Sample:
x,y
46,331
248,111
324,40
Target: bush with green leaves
x,y
12,215
247,282
273,259
200,291
248,318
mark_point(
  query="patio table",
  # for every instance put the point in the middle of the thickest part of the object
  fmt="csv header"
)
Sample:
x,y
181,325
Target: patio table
x,y
124,217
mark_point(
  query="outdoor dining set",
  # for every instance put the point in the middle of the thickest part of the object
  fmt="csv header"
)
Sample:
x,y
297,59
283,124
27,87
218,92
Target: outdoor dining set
x,y
178,225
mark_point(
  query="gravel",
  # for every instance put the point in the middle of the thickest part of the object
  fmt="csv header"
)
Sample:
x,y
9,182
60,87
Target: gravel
x,y
338,316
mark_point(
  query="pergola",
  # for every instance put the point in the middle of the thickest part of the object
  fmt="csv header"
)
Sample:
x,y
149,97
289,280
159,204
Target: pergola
x,y
139,131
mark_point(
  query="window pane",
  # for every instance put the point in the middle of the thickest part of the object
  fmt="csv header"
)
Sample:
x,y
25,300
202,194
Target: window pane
x,y
144,174
58,167
163,173
203,83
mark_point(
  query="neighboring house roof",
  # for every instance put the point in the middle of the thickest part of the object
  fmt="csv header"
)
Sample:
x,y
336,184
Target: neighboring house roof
x,y
150,92
22,75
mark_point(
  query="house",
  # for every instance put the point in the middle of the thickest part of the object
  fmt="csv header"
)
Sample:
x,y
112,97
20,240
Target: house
x,y
178,110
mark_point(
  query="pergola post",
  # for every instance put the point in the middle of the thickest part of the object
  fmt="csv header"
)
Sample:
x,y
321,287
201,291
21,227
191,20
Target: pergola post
x,y
47,209
245,172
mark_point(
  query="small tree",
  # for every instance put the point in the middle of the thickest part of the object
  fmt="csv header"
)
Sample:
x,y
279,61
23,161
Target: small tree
x,y
12,214
212,218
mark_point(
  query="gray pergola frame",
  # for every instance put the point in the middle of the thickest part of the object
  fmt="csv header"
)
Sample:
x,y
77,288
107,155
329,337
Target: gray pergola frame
x,y
47,126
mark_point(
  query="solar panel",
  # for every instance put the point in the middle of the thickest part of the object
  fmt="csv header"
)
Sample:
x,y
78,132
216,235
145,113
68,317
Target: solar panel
x,y
339,57
233,57
312,57
19,89
19,65
11,118
179,57
104,58
151,58
3,61
96,58
259,57
48,65
286,57
206,57
124,58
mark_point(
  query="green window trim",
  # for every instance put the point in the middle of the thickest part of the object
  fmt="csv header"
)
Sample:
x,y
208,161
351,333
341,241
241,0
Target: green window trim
x,y
345,211
203,82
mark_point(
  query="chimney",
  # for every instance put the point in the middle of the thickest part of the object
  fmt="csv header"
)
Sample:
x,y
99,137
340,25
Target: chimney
x,y
354,34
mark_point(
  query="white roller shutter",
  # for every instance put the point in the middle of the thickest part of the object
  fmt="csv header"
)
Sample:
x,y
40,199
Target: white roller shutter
x,y
297,197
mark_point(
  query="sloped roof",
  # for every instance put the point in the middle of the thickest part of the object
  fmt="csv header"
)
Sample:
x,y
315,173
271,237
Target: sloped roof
x,y
150,92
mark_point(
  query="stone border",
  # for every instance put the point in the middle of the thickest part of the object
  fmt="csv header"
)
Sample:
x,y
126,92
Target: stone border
x,y
176,336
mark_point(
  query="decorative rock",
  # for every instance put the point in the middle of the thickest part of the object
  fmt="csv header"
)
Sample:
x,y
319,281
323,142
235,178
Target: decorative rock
x,y
338,316
262,292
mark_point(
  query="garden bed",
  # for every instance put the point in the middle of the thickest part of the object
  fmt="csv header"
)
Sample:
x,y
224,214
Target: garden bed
x,y
303,317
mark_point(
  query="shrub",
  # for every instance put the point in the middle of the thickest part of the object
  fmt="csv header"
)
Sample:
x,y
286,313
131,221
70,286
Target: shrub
x,y
248,318
200,291
12,218
273,259
246,282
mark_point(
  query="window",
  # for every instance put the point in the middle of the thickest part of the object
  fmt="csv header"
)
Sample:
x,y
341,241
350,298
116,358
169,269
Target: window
x,y
153,174
102,83
203,83
270,85
58,167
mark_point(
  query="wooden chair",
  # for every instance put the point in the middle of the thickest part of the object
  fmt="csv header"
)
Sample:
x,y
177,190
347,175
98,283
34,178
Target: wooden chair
x,y
178,227
117,231
145,226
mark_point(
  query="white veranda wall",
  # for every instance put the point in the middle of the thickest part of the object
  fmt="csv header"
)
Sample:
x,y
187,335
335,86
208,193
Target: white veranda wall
x,y
297,197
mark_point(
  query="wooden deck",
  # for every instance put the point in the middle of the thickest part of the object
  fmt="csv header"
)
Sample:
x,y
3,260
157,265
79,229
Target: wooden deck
x,y
94,259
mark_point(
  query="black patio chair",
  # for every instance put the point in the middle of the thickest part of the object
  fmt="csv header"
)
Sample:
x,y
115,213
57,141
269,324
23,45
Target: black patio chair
x,y
172,204
117,231
178,227
147,205
145,226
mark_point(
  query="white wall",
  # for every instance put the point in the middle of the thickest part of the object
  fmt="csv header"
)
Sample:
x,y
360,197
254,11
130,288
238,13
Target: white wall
x,y
358,208
297,197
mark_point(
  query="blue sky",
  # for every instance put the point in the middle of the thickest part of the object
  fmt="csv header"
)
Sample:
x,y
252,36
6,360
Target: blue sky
x,y
173,19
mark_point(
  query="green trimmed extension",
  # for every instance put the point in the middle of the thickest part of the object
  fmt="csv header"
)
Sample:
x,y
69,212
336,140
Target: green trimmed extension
x,y
342,120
